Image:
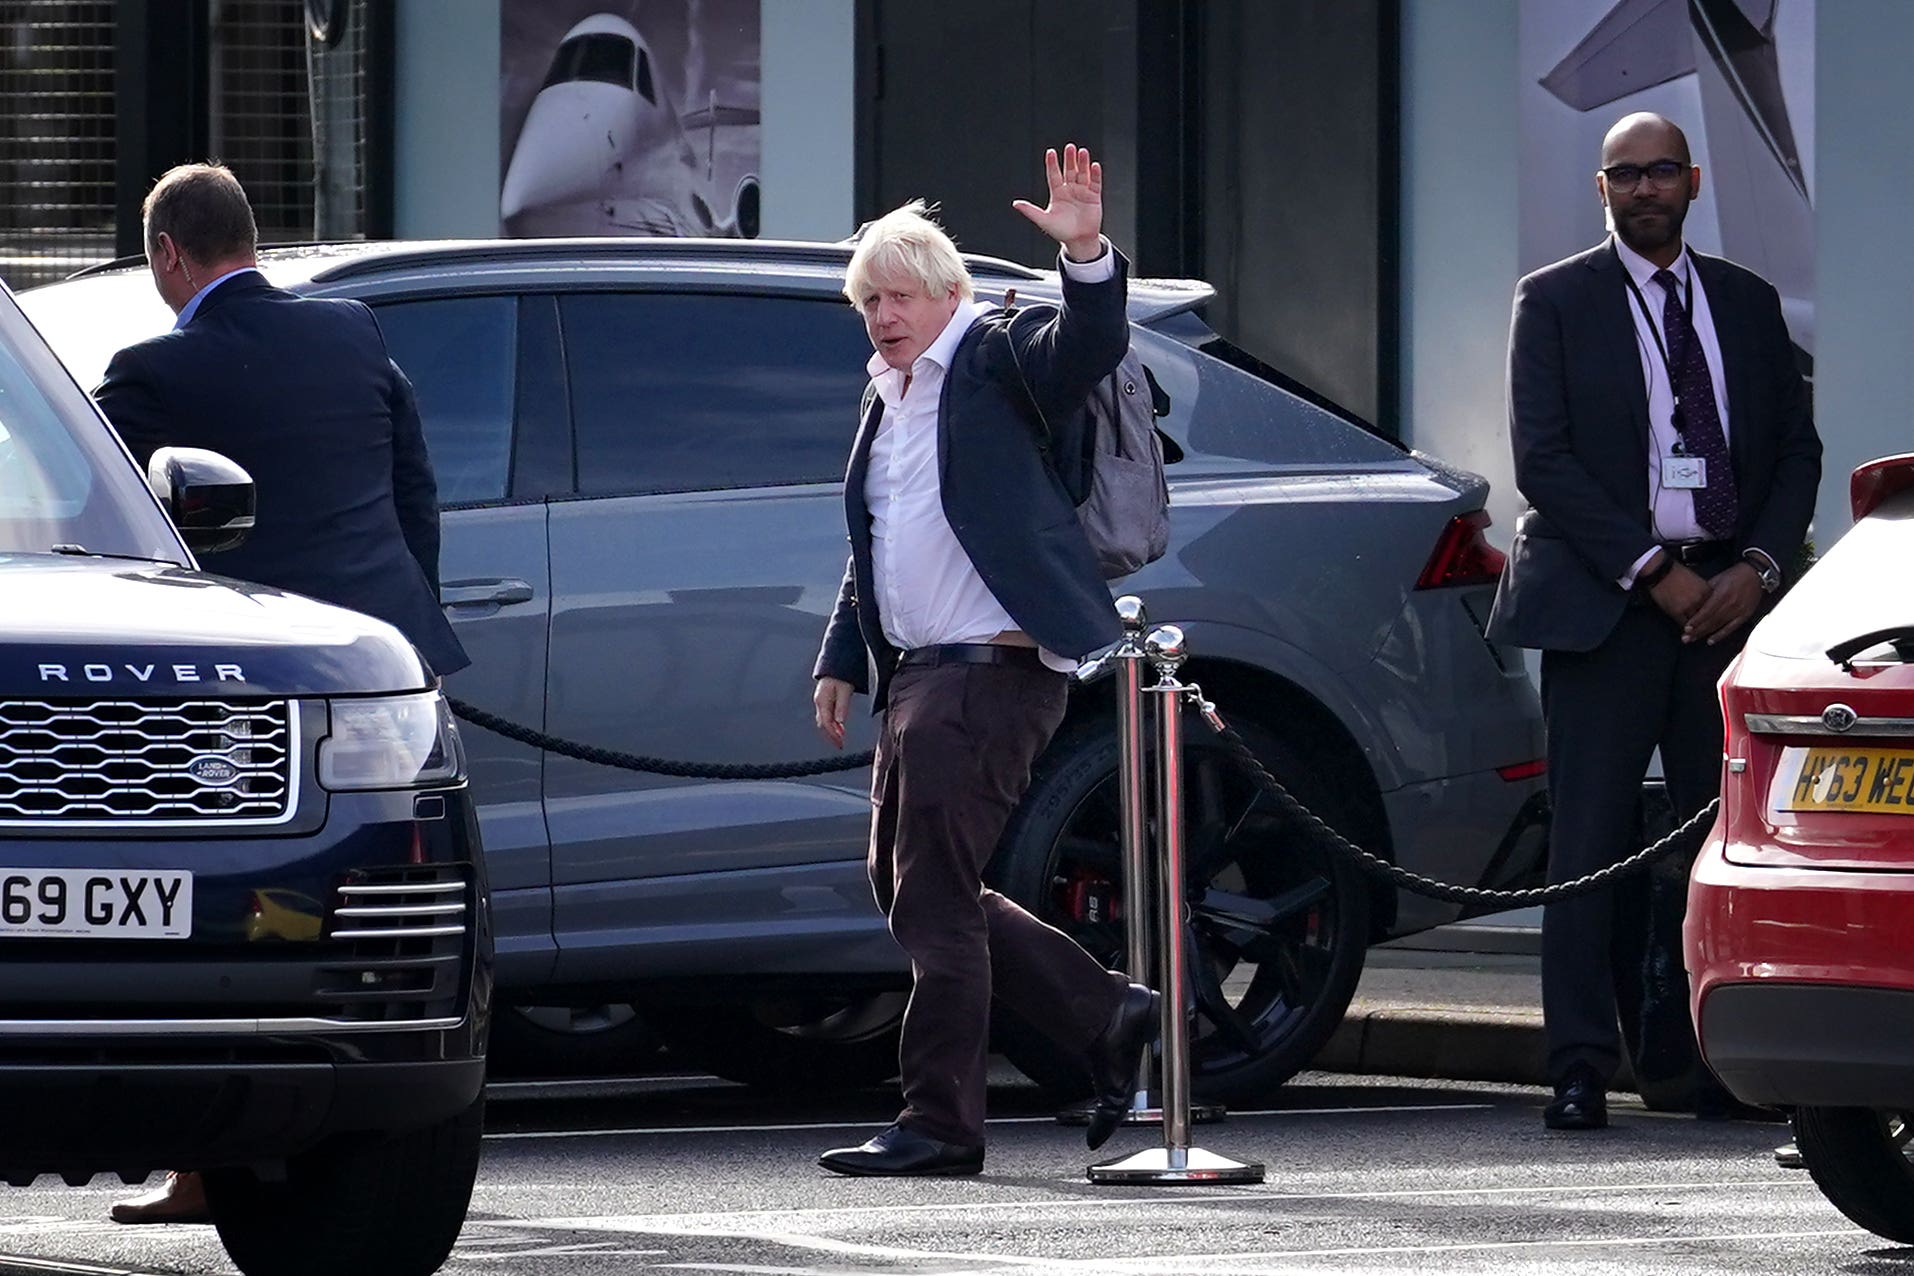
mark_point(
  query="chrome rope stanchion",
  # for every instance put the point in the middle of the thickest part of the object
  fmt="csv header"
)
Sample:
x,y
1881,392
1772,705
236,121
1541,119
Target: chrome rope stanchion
x,y
1133,792
1176,1161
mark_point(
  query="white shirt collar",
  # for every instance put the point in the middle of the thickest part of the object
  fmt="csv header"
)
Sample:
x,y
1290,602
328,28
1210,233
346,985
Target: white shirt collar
x,y
940,352
191,308
1642,270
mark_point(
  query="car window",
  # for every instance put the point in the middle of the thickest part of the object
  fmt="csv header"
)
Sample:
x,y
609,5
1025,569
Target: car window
x,y
676,392
64,479
460,353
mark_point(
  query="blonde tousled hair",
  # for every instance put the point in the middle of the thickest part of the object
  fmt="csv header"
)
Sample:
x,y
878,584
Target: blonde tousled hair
x,y
906,243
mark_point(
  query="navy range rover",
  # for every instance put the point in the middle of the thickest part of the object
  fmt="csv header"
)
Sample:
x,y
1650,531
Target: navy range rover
x,y
244,926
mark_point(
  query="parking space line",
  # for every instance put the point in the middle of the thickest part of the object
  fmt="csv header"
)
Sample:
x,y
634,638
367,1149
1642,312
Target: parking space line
x,y
1035,1120
1180,1263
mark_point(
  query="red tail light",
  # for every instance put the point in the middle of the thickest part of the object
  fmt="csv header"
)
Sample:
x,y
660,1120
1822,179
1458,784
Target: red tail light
x,y
1877,480
1523,770
1463,556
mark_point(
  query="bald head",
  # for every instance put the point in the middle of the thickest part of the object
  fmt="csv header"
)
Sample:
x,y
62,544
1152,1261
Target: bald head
x,y
1645,130
1646,183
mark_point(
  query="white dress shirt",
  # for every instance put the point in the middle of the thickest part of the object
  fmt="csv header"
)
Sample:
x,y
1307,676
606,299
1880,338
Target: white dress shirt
x,y
1672,510
928,591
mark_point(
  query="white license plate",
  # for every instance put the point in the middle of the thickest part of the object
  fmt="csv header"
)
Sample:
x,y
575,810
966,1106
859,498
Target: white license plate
x,y
96,903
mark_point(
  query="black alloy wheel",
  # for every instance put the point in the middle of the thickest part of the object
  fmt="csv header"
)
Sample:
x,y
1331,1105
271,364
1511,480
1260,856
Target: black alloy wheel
x,y
799,1043
554,1041
1276,930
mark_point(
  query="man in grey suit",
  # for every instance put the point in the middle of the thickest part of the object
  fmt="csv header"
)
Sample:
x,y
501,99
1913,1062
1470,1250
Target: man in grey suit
x,y
1665,445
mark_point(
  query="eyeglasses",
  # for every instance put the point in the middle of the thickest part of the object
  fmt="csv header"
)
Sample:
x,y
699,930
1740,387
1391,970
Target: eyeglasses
x,y
1663,174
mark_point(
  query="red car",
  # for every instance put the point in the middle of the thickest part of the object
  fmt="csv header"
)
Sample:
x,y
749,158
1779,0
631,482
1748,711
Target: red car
x,y
1800,930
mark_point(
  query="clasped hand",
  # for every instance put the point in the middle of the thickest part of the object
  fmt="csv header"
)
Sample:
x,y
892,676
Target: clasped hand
x,y
1709,610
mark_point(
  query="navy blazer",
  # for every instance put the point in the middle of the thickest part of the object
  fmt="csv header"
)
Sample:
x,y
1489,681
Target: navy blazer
x,y
1578,420
1005,502
301,393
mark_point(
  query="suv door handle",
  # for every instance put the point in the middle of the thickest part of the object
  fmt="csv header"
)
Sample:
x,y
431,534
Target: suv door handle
x,y
479,593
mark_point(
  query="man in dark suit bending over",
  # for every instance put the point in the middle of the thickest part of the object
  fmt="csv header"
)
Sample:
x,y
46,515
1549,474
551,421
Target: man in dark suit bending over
x,y
301,394
972,590
298,391
1664,443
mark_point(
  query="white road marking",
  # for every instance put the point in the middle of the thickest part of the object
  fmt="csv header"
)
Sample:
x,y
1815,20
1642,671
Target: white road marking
x,y
55,1265
674,1224
1043,1120
1180,1263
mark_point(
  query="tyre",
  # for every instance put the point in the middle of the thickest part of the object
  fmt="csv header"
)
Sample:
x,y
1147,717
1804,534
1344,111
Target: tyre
x,y
1859,1158
375,1206
792,1044
598,1040
1276,930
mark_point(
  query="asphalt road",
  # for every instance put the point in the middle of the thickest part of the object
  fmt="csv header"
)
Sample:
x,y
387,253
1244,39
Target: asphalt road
x,y
1365,1175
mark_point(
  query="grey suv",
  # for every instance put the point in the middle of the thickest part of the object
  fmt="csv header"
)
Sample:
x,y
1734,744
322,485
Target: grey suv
x,y
640,446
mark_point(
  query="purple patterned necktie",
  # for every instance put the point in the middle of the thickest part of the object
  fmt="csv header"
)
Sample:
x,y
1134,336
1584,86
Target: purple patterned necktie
x,y
1696,419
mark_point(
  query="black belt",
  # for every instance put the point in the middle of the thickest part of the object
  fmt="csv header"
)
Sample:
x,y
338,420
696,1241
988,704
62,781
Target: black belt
x,y
973,653
1700,553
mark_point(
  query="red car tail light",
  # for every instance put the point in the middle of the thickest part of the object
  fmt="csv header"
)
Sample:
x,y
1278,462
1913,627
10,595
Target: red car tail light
x,y
1463,556
1523,770
1877,480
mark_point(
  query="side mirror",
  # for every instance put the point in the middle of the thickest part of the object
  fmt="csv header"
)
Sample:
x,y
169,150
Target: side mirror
x,y
209,498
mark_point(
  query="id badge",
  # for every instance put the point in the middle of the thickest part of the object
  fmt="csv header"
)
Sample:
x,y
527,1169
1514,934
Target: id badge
x,y
1684,473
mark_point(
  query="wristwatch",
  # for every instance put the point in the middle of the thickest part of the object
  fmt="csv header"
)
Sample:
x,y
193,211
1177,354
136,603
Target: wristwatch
x,y
1764,568
1650,578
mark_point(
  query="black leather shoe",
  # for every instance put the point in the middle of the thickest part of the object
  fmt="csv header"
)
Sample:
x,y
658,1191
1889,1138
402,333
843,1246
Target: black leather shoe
x,y
1580,1102
900,1152
1115,1057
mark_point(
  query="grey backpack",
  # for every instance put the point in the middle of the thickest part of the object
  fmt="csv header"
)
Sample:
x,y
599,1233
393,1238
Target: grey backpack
x,y
1124,501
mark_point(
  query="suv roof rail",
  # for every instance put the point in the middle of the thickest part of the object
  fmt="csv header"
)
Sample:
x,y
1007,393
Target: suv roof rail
x,y
395,253
139,259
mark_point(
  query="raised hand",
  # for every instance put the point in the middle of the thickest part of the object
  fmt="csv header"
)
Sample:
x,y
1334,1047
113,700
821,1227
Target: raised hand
x,y
1074,216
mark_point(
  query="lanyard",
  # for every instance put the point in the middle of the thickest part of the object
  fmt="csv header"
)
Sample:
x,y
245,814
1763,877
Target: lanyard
x,y
1687,309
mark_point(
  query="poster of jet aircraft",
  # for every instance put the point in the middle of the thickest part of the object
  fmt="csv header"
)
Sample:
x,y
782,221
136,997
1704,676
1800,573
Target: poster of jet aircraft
x,y
629,117
1737,75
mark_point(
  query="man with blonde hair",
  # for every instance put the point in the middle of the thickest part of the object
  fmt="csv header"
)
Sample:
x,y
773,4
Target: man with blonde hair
x,y
972,591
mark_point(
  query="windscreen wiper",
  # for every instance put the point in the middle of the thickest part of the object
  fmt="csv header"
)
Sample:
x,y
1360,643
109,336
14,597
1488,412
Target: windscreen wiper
x,y
81,551
1901,636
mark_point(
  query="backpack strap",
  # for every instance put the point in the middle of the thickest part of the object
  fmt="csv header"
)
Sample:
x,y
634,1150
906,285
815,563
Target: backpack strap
x,y
1044,435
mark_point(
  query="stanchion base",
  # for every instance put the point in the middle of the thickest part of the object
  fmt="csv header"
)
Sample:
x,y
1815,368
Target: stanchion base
x,y
1194,1166
1146,1113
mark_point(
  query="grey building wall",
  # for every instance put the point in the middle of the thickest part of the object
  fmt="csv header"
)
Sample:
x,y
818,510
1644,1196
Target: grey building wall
x,y
445,119
1460,141
810,118
1864,141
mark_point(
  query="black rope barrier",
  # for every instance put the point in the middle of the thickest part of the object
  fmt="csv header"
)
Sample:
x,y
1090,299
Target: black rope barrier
x,y
657,766
1376,866
1321,833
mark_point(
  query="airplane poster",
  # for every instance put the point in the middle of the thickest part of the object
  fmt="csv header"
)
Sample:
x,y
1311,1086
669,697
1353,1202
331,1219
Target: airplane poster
x,y
1737,75
629,117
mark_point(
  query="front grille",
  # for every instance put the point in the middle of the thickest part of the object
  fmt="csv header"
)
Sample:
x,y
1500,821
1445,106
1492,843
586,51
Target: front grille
x,y
134,762
406,930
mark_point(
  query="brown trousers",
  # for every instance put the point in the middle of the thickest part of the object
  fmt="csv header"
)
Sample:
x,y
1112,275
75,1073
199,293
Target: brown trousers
x,y
953,760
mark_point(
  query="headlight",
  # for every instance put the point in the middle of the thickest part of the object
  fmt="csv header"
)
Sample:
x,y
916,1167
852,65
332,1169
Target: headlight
x,y
396,742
